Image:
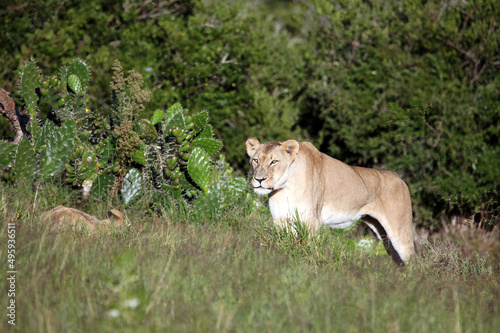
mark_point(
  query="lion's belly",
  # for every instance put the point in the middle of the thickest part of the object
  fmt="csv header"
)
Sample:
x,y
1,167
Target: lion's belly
x,y
286,207
336,218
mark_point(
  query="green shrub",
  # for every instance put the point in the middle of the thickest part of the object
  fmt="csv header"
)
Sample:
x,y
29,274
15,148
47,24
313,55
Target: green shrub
x,y
171,153
410,87
405,85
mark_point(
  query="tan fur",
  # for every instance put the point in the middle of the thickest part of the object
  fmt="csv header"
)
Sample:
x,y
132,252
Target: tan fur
x,y
65,217
301,181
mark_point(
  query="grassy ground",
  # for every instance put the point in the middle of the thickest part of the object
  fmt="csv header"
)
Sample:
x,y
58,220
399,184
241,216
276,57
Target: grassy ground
x,y
233,274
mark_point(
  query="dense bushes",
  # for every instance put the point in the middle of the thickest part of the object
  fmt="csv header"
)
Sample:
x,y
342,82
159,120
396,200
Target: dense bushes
x,y
405,92
405,85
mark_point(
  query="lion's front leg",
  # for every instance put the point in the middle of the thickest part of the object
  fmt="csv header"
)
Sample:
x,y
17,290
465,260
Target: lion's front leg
x,y
297,220
286,224
288,213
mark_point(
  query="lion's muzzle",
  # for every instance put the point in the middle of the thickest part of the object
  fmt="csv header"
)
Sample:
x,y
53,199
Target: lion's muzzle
x,y
259,187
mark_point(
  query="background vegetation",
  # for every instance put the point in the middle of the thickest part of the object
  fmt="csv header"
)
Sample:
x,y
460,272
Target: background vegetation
x,y
410,86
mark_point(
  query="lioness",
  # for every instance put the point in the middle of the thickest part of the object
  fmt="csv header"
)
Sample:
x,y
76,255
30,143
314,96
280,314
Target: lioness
x,y
300,180
62,217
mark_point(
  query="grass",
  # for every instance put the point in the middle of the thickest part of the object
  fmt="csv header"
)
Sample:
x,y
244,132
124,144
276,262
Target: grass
x,y
234,274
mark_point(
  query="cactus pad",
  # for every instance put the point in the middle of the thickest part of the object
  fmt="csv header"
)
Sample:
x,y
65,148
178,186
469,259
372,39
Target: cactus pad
x,y
139,155
211,146
63,74
207,132
146,131
207,205
199,168
200,121
102,184
25,163
157,117
47,130
132,186
237,184
108,151
7,154
30,81
79,68
89,165
57,149
174,117
74,83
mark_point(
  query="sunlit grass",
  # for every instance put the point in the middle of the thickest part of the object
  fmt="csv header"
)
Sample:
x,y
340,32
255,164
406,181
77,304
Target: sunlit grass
x,y
237,273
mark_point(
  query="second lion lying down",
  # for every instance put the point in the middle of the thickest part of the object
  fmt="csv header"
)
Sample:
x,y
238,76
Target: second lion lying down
x,y
62,217
321,190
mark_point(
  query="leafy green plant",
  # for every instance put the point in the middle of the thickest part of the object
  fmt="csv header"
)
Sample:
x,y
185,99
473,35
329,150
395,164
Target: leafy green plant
x,y
183,161
55,108
173,151
131,188
191,145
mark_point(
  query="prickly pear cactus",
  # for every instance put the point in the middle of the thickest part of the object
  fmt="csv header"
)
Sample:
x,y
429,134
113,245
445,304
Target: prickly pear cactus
x,y
102,184
56,150
30,81
63,96
78,76
74,83
59,101
174,118
89,166
207,132
200,121
210,146
187,166
146,130
224,190
199,168
87,163
132,186
24,169
139,155
157,117
18,163
80,70
208,204
184,164
7,153
172,151
71,141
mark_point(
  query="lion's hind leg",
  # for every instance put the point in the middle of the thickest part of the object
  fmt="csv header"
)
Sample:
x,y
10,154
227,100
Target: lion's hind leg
x,y
381,233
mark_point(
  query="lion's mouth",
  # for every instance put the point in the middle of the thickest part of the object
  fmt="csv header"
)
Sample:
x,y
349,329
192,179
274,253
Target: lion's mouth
x,y
262,190
262,187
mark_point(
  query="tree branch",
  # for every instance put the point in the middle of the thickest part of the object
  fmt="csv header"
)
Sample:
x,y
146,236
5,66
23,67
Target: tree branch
x,y
9,110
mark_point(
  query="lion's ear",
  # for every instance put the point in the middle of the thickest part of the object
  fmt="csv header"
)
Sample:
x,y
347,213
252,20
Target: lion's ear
x,y
291,147
252,145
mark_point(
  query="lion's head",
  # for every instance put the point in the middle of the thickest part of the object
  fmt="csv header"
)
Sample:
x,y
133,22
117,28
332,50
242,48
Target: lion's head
x,y
270,163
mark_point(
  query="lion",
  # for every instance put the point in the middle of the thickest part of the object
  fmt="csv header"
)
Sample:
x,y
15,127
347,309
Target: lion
x,y
316,189
62,217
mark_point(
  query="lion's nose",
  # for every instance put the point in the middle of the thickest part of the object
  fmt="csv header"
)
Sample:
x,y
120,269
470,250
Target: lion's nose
x,y
260,180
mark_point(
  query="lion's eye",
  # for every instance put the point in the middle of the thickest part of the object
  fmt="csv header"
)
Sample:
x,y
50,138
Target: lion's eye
x,y
256,161
274,162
